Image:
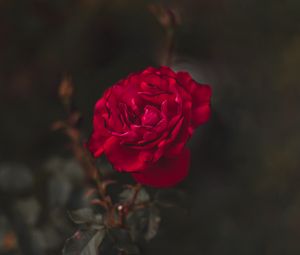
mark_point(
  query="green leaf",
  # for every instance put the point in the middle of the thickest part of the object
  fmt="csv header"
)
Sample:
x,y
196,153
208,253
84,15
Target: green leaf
x,y
153,223
122,241
127,196
144,223
84,242
86,216
137,222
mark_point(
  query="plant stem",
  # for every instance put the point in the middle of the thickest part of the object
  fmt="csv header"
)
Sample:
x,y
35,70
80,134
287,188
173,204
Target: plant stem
x,y
168,54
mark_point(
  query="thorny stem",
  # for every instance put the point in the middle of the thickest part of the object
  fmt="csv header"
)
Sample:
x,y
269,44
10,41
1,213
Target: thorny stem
x,y
81,154
169,21
136,191
87,162
123,210
167,56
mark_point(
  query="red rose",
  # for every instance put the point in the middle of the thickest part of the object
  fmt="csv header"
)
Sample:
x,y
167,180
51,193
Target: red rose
x,y
143,122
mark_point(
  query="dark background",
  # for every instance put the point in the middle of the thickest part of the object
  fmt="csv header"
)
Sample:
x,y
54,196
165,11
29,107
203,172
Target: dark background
x,y
243,189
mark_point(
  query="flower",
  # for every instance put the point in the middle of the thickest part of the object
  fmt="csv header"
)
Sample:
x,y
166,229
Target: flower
x,y
142,124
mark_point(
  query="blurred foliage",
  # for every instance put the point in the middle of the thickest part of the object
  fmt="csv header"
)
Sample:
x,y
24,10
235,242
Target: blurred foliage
x,y
243,193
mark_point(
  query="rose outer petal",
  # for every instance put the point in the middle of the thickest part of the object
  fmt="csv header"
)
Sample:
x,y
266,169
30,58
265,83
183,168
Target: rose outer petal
x,y
201,109
166,172
95,144
99,134
122,157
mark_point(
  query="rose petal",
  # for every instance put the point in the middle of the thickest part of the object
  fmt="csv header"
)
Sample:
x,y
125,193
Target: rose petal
x,y
201,105
184,79
122,157
164,70
201,94
151,116
95,144
166,172
169,108
149,70
100,134
179,142
200,115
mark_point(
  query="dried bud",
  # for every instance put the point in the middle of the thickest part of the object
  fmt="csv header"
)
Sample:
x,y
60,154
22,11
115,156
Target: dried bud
x,y
90,192
58,125
167,17
9,241
65,90
74,118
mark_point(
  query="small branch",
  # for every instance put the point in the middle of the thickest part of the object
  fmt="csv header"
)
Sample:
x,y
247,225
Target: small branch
x,y
168,53
169,20
84,158
136,191
124,209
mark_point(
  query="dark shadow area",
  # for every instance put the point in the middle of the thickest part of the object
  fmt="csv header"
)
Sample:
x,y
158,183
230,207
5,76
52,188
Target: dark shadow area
x,y
242,193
